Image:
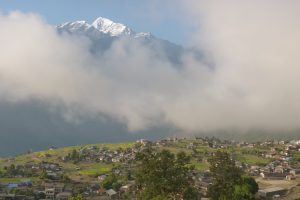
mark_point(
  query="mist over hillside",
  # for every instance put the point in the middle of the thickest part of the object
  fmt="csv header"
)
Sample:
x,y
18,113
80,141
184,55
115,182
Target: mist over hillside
x,y
35,124
31,126
101,80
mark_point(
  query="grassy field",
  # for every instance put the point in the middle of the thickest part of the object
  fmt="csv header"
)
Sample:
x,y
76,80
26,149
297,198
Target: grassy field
x,y
91,169
59,152
98,168
253,159
54,155
200,166
2,163
64,150
296,156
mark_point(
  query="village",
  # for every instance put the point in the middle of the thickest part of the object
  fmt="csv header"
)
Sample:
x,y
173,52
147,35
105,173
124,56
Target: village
x,y
103,171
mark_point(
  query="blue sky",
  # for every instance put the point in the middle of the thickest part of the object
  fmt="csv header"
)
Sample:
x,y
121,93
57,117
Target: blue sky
x,y
157,17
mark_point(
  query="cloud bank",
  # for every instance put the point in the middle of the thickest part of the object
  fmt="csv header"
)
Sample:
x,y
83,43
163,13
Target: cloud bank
x,y
252,81
253,45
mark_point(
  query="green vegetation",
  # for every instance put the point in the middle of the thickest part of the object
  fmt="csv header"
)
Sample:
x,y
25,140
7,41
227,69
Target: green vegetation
x,y
98,168
296,156
72,169
201,166
112,181
253,159
77,197
166,169
228,181
164,175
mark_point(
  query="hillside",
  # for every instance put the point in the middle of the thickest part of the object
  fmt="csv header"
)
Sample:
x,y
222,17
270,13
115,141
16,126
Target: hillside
x,y
79,167
55,155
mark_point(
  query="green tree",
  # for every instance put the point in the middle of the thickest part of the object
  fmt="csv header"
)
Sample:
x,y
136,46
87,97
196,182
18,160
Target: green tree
x,y
112,181
162,175
43,175
74,156
40,195
11,170
27,192
252,185
245,189
228,180
76,197
65,178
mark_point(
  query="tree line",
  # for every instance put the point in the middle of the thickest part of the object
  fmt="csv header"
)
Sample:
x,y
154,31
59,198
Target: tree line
x,y
163,175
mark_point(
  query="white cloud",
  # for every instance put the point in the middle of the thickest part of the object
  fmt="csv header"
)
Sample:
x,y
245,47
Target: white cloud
x,y
254,84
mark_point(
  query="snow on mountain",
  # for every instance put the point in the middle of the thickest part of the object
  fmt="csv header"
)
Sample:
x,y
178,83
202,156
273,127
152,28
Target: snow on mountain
x,y
76,25
102,26
114,29
102,32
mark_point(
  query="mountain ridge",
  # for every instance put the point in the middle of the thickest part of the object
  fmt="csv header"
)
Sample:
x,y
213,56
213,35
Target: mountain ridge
x,y
103,25
102,32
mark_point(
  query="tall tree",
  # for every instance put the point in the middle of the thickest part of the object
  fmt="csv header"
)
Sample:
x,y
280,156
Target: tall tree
x,y
164,175
228,180
112,181
77,197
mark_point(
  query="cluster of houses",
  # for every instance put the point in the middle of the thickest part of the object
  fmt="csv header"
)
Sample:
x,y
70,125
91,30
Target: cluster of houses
x,y
59,191
282,166
276,170
27,190
95,154
100,192
55,190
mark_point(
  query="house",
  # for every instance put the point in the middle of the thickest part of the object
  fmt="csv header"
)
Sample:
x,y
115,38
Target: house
x,y
14,197
12,185
58,187
26,183
190,146
279,169
274,176
115,160
126,188
50,166
116,171
270,192
204,187
295,142
281,142
270,154
52,175
50,193
111,193
101,177
101,191
143,142
7,196
295,171
63,195
290,177
254,170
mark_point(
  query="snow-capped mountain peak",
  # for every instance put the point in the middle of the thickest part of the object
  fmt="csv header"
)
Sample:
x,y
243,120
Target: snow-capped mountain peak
x,y
103,32
114,29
